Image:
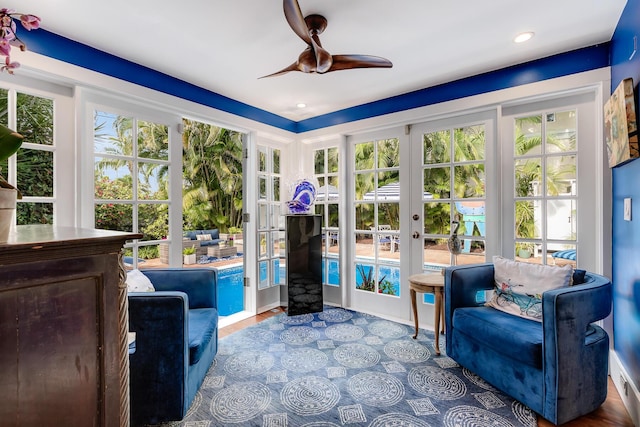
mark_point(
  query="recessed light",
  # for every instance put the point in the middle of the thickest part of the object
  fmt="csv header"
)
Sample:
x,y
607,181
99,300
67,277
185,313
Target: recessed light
x,y
301,105
523,37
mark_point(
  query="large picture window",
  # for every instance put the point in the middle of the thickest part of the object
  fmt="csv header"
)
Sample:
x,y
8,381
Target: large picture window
x,y
131,164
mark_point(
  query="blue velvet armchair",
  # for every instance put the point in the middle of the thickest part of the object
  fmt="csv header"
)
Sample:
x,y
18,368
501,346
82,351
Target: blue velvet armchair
x,y
557,367
176,341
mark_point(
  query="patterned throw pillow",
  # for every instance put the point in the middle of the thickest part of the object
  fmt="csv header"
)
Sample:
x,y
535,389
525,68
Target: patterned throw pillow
x,y
203,236
519,286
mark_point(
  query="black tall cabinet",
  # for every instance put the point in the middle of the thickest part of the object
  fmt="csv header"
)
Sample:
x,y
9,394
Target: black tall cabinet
x,y
304,264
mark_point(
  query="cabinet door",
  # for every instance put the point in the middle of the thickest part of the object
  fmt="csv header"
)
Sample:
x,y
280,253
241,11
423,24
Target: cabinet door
x,y
50,357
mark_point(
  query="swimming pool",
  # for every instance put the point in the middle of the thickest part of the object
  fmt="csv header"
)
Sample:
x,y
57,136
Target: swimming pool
x,y
231,281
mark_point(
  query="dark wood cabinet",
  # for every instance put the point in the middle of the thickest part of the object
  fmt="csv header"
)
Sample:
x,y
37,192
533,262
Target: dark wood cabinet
x,y
63,328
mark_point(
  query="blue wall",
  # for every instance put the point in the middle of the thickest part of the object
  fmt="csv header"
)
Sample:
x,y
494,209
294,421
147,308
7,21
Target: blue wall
x,y
626,234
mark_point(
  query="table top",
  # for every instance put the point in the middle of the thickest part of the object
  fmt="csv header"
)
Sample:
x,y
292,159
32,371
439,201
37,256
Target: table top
x,y
427,279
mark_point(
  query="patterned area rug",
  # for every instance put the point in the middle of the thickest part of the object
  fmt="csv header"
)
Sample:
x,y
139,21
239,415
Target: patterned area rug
x,y
341,367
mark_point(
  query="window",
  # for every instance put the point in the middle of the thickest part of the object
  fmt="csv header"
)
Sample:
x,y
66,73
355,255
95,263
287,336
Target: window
x,y
31,169
326,174
270,221
545,153
131,164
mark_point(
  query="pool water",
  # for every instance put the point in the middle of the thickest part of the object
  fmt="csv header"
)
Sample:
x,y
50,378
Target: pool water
x,y
231,282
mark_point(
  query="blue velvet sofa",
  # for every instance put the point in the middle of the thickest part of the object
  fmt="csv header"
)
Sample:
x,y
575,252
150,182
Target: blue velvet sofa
x,y
176,341
557,367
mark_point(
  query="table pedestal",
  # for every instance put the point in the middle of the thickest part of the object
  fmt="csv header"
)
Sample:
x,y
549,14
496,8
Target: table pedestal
x,y
428,283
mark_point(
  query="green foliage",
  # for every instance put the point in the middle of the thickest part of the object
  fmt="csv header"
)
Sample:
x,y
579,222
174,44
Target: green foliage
x,y
368,281
386,287
148,252
189,250
212,176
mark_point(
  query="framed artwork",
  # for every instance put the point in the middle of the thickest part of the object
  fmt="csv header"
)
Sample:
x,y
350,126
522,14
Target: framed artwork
x,y
620,125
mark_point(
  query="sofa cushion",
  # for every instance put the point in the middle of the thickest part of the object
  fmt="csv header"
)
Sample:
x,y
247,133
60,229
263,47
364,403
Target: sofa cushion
x,y
203,324
519,286
516,337
214,233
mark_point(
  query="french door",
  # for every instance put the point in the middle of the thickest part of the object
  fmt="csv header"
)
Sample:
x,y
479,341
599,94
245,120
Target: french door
x,y
550,191
377,195
502,180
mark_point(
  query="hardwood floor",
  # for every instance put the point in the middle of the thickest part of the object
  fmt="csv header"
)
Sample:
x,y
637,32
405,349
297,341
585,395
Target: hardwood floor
x,y
611,414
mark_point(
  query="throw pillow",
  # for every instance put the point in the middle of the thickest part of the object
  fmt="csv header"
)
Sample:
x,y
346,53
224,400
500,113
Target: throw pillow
x,y
138,282
203,237
519,286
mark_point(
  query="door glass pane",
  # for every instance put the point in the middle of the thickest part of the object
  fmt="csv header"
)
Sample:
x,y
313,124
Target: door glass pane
x,y
332,160
561,175
561,132
318,162
436,218
364,156
528,179
437,147
469,143
469,180
388,153
365,186
528,135
437,182
561,219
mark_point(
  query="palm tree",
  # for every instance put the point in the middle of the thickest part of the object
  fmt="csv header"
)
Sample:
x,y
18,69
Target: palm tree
x,y
212,173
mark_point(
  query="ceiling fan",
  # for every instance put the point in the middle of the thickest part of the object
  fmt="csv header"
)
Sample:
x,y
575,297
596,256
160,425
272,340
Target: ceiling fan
x,y
315,59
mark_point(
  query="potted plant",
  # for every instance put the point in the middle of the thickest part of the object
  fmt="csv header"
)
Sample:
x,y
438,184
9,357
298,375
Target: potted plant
x,y
189,255
10,142
524,250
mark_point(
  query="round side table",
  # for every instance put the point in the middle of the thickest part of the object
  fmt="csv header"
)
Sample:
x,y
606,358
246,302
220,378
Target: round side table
x,y
428,283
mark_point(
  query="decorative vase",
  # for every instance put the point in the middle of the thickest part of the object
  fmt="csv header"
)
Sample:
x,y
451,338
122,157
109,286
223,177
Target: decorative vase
x,y
189,259
8,199
454,244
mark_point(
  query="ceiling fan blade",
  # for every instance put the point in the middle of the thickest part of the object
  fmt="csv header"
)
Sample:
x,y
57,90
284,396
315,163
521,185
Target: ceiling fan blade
x,y
345,62
306,63
296,21
292,67
324,60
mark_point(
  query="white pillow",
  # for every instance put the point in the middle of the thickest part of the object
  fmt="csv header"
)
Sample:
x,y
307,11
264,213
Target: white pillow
x,y
519,286
138,282
203,236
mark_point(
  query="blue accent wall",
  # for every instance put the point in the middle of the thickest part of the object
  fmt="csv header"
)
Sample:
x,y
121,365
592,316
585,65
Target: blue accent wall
x,y
54,46
626,234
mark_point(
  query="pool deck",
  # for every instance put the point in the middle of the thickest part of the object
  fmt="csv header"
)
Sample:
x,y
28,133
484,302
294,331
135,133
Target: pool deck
x,y
435,255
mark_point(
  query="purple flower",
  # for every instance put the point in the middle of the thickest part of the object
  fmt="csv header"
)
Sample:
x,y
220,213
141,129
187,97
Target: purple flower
x,y
30,22
5,47
8,35
9,66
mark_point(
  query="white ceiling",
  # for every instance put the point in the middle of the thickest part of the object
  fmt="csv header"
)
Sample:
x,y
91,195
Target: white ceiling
x,y
225,45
